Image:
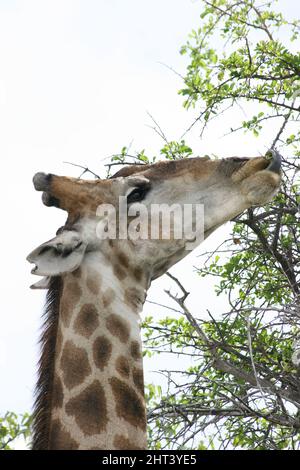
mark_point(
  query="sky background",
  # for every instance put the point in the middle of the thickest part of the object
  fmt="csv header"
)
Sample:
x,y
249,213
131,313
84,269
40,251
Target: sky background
x,y
77,79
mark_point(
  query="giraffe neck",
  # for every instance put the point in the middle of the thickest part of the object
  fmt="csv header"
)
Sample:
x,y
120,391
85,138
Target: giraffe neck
x,y
97,393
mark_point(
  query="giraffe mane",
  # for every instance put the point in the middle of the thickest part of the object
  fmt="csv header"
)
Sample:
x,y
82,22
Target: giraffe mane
x,y
130,170
43,391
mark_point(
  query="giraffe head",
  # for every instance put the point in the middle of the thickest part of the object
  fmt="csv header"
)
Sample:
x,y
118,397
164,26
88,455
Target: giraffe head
x,y
224,187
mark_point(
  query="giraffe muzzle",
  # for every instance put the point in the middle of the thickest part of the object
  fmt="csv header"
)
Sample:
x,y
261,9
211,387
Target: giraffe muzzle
x,y
275,164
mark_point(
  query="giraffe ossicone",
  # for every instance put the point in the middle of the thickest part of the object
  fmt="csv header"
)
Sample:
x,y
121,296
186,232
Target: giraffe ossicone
x,y
90,392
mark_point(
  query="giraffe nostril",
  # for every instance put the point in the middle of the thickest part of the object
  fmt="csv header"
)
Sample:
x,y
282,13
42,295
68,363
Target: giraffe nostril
x,y
41,181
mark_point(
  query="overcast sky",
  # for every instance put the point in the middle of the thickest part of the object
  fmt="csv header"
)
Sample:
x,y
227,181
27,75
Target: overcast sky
x,y
76,81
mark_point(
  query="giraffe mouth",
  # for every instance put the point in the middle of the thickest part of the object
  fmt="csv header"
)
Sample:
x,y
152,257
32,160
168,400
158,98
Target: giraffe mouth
x,y
34,269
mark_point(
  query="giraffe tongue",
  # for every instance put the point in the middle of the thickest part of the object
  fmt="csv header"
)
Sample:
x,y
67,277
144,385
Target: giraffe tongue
x,y
43,283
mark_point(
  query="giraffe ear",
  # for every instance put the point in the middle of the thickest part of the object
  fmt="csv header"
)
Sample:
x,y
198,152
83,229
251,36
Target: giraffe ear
x,y
62,254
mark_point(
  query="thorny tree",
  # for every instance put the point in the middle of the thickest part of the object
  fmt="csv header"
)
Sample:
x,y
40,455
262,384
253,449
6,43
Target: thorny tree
x,y
243,389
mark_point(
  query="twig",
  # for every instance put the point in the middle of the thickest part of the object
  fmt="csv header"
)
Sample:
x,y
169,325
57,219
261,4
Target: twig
x,y
285,121
84,168
157,129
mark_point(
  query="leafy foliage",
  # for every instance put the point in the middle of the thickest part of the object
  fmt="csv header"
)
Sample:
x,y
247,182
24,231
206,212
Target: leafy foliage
x,y
242,388
13,427
255,65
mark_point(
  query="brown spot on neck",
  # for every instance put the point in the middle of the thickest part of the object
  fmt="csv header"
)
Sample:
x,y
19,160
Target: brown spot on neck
x,y
119,272
134,298
102,349
135,350
129,405
89,409
74,365
60,439
118,327
87,320
123,260
122,366
138,273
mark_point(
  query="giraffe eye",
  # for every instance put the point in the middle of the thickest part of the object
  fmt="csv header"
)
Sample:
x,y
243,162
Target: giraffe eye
x,y
138,194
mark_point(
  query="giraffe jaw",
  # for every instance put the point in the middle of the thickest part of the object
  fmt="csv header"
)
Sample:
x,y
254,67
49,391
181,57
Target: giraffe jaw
x,y
43,283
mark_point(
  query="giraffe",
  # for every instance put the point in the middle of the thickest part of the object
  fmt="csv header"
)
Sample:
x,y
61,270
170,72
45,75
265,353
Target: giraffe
x,y
90,392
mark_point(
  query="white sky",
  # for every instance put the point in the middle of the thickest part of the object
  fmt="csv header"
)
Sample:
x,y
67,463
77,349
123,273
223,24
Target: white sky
x,y
76,81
